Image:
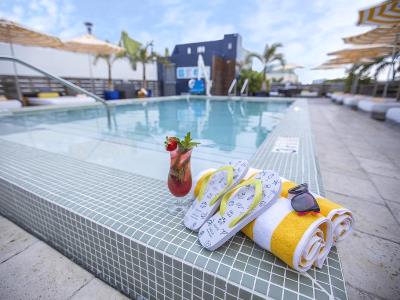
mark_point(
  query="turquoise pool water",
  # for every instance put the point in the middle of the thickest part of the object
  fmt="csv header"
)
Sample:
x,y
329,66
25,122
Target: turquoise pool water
x,y
226,129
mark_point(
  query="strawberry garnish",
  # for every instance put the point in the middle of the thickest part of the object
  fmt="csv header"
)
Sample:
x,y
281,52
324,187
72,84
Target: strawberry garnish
x,y
186,144
171,143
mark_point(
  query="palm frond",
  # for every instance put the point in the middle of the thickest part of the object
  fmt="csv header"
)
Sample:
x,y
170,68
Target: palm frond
x,y
252,55
271,51
380,67
279,58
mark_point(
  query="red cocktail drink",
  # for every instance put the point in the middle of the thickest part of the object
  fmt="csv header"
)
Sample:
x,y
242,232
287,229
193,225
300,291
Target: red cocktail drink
x,y
180,176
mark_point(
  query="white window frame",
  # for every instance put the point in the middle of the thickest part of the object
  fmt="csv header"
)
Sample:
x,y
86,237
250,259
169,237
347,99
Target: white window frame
x,y
189,50
201,49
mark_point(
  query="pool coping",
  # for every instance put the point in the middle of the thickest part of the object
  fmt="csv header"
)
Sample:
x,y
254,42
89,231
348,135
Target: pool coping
x,y
136,101
298,121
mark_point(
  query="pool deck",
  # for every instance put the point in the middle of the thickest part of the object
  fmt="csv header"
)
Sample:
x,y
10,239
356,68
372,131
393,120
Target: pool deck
x,y
360,165
359,161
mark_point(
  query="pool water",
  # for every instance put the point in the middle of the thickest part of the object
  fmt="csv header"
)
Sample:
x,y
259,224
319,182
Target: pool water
x,y
226,130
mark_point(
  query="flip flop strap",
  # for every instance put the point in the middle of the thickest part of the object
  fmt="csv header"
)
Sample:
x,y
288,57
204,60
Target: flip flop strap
x,y
256,200
205,179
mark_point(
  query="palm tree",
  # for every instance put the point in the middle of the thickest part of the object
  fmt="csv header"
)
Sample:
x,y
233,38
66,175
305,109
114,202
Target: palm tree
x,y
268,57
109,60
243,64
379,64
136,53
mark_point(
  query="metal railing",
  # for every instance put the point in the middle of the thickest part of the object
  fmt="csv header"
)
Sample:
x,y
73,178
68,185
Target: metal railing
x,y
245,88
231,87
63,82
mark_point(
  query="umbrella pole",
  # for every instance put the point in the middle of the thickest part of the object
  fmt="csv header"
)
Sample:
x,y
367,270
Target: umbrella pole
x,y
392,66
17,87
91,74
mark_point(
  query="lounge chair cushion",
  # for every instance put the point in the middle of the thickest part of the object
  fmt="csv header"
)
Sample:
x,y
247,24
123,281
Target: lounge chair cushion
x,y
376,107
393,114
48,95
64,100
10,104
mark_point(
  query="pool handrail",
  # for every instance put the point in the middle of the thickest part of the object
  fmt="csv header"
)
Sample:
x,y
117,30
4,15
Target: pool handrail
x,y
245,88
231,87
63,82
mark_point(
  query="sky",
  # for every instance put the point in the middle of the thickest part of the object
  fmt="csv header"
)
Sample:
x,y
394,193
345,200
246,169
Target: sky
x,y
308,29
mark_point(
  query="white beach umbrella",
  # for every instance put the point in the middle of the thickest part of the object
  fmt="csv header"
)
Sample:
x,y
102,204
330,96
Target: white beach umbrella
x,y
88,43
91,45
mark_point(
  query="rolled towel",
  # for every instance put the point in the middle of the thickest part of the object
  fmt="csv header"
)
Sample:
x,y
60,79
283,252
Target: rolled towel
x,y
342,218
300,241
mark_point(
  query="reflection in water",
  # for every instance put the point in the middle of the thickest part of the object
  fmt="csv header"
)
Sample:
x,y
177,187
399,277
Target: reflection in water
x,y
234,127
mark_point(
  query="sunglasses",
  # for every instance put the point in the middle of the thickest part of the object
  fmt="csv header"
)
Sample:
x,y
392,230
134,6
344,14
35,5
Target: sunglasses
x,y
303,201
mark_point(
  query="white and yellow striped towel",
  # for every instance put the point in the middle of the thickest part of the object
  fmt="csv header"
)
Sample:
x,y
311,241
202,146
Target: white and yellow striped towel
x,y
300,241
342,218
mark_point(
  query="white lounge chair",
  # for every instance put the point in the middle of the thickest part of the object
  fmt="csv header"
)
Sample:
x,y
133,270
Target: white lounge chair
x,y
338,98
393,115
63,100
378,107
6,104
352,100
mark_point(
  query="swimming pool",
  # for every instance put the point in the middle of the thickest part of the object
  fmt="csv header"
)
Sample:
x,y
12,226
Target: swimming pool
x,y
226,129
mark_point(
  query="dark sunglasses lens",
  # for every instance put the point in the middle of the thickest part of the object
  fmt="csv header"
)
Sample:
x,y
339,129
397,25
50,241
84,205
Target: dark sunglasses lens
x,y
304,202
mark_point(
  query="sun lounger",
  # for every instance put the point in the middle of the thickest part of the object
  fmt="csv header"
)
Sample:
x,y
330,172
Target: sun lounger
x,y
10,104
352,100
338,98
64,100
378,107
393,115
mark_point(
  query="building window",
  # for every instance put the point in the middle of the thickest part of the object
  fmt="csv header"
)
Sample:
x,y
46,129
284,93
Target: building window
x,y
189,50
229,46
201,49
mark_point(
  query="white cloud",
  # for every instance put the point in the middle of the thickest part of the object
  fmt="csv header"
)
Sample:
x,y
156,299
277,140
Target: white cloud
x,y
308,30
52,17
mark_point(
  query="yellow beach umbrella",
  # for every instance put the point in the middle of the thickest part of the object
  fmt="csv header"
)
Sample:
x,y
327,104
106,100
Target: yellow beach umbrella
x,y
341,62
380,35
364,52
385,14
14,33
328,67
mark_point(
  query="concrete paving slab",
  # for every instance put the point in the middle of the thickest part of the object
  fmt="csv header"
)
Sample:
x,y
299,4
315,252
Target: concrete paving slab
x,y
371,264
350,186
377,167
40,272
13,239
96,289
395,208
354,293
388,187
347,165
370,217
370,152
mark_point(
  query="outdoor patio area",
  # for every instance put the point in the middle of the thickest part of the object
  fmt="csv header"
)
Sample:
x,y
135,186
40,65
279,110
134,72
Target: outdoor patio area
x,y
360,167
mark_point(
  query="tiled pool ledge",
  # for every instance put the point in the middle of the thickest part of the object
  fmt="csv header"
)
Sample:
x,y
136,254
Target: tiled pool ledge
x,y
115,224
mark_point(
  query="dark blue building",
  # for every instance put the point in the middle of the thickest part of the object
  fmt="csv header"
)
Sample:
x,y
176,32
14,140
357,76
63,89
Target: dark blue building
x,y
220,58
